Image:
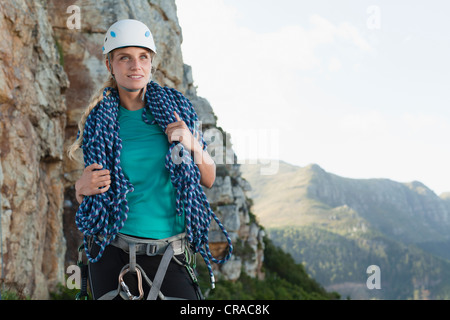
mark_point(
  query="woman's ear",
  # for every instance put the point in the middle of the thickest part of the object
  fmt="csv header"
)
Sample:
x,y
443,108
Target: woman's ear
x,y
108,64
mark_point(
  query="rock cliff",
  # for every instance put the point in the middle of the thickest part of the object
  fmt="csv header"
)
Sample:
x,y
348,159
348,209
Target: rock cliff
x,y
50,66
32,126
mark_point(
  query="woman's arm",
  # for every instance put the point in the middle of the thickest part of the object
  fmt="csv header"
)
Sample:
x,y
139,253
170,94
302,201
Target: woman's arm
x,y
206,166
179,131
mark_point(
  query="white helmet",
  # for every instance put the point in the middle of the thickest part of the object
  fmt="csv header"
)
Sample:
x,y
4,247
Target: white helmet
x,y
128,33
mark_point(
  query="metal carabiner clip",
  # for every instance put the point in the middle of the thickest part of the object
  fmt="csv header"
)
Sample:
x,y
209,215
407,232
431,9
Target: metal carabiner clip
x,y
125,287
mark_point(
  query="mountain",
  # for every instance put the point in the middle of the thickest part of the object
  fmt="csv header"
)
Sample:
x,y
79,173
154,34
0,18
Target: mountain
x,y
338,227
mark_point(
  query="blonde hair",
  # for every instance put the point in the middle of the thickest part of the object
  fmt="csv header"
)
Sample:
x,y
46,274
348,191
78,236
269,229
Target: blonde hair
x,y
95,99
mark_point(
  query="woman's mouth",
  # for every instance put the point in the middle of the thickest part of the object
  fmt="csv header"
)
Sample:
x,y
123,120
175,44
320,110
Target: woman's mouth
x,y
135,76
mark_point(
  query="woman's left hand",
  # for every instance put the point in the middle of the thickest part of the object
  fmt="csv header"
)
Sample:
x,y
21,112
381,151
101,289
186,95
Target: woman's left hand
x,y
179,131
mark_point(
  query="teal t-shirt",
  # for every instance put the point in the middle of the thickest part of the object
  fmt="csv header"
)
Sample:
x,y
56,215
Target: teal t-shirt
x,y
152,204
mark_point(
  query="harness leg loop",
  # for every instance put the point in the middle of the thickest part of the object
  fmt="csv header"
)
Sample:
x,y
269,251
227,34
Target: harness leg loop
x,y
160,273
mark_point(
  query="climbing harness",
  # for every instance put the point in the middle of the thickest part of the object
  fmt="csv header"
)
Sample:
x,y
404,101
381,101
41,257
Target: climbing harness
x,y
102,216
169,248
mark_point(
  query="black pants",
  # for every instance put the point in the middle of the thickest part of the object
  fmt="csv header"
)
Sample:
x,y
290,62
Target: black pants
x,y
104,274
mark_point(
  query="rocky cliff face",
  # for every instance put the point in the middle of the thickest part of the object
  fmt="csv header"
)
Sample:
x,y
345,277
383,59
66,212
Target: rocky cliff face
x,y
32,124
49,69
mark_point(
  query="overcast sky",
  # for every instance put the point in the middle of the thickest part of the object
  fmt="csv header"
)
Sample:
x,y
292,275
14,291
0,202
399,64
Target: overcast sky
x,y
361,88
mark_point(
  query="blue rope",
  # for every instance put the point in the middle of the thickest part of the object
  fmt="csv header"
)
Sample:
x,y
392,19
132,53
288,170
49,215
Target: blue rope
x,y
105,214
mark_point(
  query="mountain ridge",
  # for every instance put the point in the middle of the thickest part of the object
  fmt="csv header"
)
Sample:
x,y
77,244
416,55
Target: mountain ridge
x,y
297,188
403,226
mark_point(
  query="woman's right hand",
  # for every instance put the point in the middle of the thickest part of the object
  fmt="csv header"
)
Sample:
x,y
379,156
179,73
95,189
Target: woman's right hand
x,y
93,181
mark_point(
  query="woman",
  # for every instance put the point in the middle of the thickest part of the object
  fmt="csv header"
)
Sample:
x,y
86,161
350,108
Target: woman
x,y
140,195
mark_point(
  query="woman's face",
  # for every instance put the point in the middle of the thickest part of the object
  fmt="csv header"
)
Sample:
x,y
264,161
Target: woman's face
x,y
131,67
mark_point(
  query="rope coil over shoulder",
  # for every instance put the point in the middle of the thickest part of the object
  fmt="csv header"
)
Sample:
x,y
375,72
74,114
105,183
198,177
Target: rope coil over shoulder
x,y
105,214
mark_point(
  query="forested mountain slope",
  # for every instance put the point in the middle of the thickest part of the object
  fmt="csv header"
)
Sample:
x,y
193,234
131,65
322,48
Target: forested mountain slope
x,y
337,227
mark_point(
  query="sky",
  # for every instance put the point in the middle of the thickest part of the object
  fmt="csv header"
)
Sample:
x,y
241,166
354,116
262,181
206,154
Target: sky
x,y
361,88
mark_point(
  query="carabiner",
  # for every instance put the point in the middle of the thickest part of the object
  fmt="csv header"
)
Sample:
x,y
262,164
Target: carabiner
x,y
125,287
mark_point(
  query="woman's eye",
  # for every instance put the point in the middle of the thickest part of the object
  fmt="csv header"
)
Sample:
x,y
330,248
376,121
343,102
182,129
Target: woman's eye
x,y
124,58
144,56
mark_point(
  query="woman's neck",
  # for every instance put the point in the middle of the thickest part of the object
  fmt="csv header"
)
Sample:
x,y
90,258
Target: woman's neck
x,y
131,100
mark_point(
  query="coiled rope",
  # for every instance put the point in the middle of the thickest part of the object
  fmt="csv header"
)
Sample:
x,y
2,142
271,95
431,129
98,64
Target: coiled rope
x,y
105,214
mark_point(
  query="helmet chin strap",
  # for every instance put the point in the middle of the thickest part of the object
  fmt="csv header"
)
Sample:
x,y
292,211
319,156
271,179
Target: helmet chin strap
x,y
134,90
129,90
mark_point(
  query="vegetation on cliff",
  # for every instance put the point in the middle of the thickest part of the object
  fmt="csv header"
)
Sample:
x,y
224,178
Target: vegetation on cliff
x,y
284,280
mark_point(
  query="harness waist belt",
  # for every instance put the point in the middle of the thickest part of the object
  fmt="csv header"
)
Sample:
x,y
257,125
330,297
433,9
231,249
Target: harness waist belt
x,y
151,247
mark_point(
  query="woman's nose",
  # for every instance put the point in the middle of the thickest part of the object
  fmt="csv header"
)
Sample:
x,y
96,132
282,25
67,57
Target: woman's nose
x,y
135,64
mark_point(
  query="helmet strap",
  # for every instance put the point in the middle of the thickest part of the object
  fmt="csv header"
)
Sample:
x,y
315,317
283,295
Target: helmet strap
x,y
129,90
